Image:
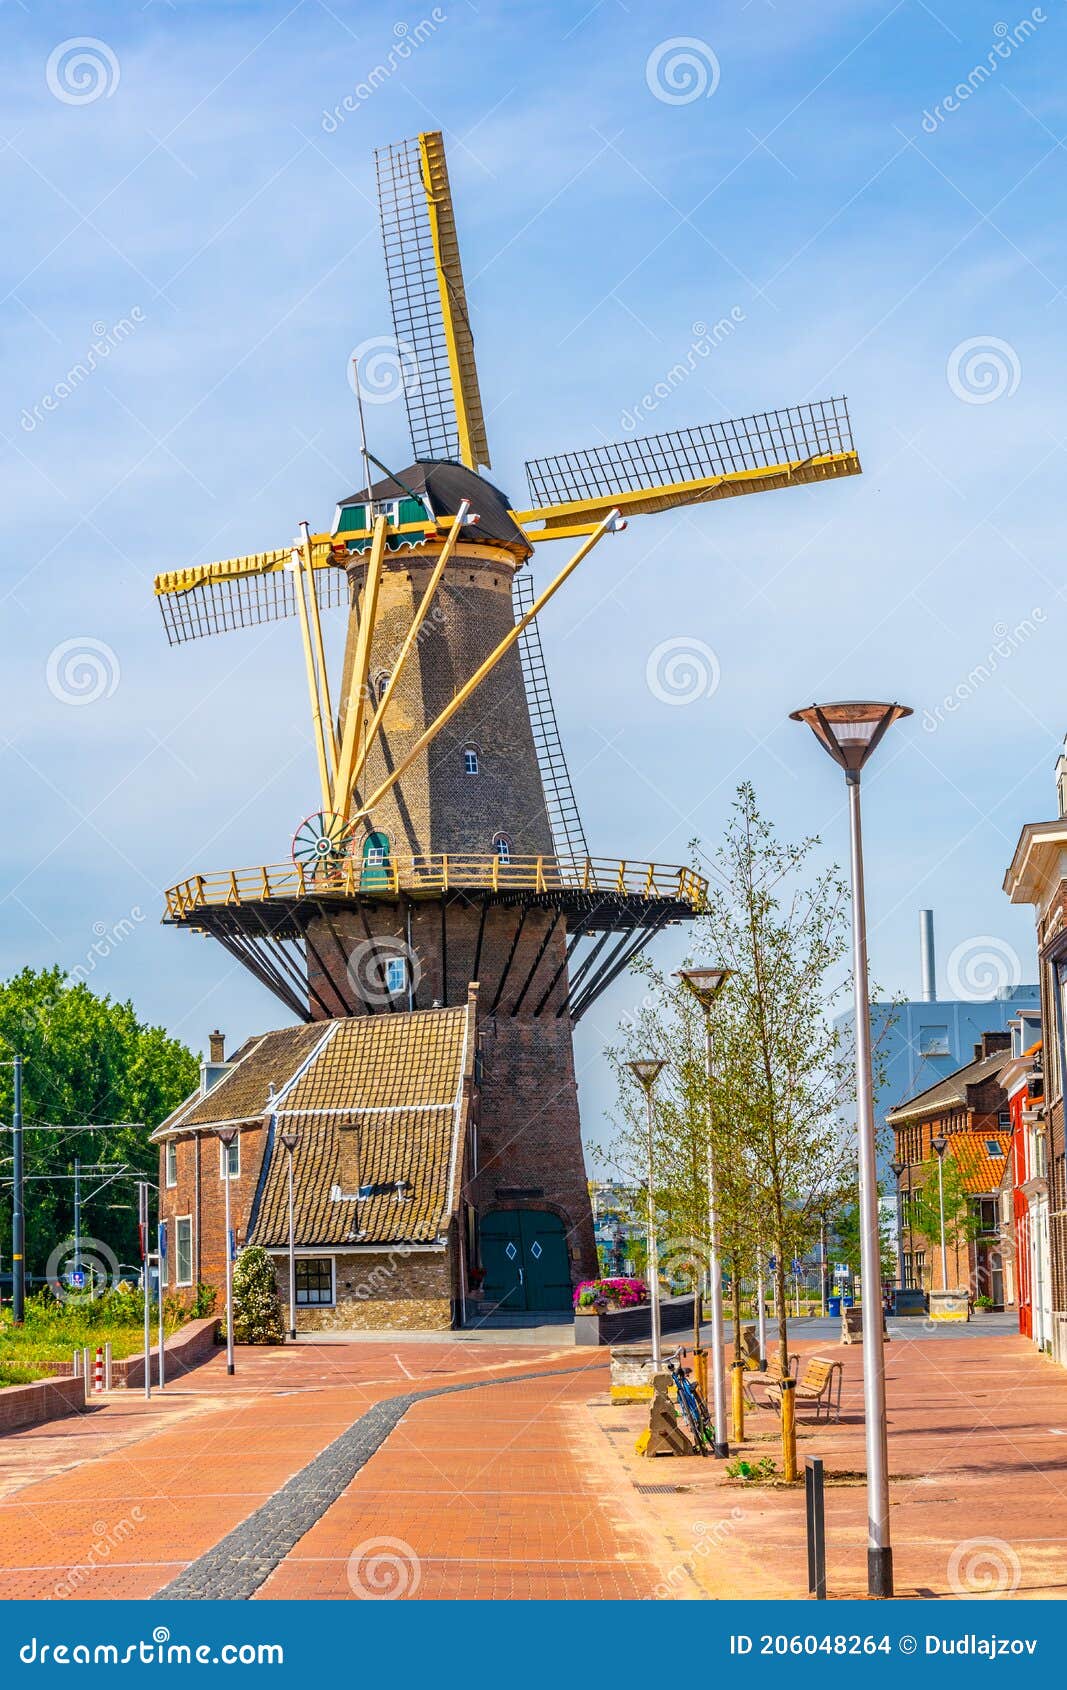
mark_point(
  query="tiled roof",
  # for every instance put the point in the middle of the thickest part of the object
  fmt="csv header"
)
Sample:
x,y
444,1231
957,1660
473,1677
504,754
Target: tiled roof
x,y
952,1090
241,1095
411,1145
385,1062
381,1102
981,1171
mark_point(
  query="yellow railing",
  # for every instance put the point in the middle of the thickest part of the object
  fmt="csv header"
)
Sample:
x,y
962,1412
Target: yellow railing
x,y
427,875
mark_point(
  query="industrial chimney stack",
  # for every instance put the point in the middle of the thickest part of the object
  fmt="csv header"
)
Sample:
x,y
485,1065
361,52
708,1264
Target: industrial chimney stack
x,y
927,967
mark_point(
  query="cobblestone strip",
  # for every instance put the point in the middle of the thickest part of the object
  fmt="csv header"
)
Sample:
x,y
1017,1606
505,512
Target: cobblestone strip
x,y
245,1558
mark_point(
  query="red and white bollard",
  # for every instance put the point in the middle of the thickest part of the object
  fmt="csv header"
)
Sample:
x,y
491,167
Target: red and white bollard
x,y
98,1370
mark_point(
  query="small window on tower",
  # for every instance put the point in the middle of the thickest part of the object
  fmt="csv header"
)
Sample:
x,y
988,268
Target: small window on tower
x,y
502,847
396,974
470,761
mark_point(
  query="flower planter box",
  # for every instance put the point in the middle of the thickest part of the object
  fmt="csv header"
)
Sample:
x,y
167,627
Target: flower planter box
x,y
627,1326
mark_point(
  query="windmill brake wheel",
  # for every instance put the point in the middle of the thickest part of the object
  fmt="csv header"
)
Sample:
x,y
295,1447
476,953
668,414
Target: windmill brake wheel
x,y
322,843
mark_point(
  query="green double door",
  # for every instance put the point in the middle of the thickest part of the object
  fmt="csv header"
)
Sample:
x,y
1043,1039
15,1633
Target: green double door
x,y
524,1254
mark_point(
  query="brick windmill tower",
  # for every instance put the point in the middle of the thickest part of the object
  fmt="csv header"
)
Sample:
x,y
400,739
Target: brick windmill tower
x,y
448,851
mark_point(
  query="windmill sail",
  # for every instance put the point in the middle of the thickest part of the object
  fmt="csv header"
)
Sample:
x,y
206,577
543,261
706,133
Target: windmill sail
x,y
241,592
788,447
430,320
568,834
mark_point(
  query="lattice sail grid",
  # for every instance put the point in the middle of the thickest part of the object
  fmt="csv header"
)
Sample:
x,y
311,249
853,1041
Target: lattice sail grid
x,y
792,435
243,601
411,271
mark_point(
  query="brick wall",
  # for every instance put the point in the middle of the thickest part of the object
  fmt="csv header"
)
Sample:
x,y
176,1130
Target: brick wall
x,y
398,1289
47,1399
209,1210
436,806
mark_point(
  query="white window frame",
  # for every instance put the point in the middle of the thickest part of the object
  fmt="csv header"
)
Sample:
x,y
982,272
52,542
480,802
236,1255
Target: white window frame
x,y
170,1155
224,1159
471,762
333,1283
392,965
502,855
178,1219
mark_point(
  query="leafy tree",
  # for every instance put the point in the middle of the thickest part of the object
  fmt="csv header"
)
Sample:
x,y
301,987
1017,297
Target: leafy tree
x,y
845,1240
962,1222
86,1059
257,1309
783,1074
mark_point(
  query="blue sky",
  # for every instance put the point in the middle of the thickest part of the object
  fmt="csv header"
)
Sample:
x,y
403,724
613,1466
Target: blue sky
x,y
207,217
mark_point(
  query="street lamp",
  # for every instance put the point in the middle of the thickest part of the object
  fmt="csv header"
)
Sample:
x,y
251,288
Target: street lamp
x,y
290,1140
226,1136
646,1071
705,984
939,1146
850,733
897,1169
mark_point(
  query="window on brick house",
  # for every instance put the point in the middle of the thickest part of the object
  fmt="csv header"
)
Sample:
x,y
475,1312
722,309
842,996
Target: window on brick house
x,y
183,1250
172,1161
314,1281
502,847
230,1159
470,761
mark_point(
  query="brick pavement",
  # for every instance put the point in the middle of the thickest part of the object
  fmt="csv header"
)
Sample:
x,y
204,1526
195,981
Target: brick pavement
x,y
978,1502
528,1489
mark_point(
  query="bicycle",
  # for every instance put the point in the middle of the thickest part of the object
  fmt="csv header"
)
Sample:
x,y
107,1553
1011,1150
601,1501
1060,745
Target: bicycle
x,y
693,1407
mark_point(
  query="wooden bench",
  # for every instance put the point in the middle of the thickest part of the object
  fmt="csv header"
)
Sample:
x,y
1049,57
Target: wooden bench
x,y
769,1381
816,1385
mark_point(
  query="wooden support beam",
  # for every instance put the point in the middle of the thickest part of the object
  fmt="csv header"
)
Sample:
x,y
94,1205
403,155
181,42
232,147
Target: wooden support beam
x,y
317,725
322,672
609,525
357,681
463,516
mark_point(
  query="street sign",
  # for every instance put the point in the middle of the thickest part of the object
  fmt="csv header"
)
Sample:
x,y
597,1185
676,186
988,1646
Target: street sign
x,y
233,1245
163,1240
76,1279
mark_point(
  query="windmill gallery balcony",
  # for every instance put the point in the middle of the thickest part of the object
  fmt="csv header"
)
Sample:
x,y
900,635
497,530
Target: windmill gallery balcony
x,y
592,878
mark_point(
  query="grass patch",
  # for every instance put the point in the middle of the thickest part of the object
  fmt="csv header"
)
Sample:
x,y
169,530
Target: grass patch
x,y
54,1330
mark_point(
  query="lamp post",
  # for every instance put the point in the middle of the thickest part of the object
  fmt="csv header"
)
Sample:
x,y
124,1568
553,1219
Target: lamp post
x,y
705,984
646,1072
897,1169
226,1136
939,1146
290,1140
849,733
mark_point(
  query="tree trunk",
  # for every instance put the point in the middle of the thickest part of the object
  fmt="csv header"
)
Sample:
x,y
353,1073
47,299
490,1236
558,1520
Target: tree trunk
x,y
789,1430
739,1354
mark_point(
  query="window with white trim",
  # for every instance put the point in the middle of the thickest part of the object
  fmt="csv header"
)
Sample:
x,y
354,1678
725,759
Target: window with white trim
x,y
171,1157
396,974
502,847
183,1250
230,1159
314,1281
470,761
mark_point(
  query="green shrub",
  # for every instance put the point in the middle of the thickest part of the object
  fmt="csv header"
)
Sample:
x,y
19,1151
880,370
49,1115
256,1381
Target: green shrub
x,y
257,1311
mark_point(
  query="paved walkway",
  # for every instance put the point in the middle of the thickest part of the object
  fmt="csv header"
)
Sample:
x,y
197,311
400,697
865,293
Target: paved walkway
x,y
524,1486
978,1498
477,1493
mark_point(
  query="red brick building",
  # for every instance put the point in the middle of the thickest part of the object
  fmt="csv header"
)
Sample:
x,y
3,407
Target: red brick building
x,y
384,1110
1037,876
969,1110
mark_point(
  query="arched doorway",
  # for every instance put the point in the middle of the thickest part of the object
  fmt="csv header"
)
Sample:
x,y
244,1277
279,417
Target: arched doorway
x,y
524,1254
376,865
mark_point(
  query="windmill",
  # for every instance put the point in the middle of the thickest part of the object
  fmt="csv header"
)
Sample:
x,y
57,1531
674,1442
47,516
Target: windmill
x,y
447,847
